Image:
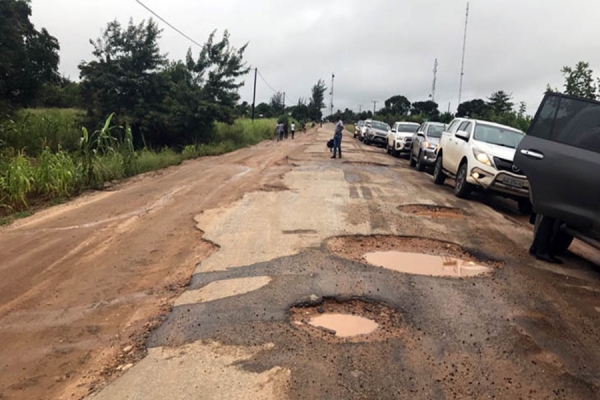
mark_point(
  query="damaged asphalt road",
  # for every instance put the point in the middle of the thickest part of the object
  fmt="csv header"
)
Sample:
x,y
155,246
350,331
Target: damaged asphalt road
x,y
290,248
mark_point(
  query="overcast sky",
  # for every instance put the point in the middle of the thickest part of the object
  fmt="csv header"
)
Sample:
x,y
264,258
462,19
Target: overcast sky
x,y
376,48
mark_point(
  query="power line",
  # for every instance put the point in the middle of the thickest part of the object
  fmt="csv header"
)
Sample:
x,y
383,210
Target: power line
x,y
168,23
267,83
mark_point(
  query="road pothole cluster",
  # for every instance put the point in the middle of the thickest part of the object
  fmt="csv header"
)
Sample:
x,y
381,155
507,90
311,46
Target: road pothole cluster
x,y
432,211
411,255
347,321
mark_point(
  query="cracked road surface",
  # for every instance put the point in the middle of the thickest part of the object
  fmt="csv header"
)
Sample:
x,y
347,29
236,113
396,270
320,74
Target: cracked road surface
x,y
182,284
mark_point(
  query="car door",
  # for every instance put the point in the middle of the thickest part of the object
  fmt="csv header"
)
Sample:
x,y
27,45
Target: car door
x,y
418,139
446,141
455,148
560,156
392,135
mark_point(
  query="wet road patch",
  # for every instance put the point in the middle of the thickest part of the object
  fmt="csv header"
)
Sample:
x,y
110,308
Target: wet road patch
x,y
382,247
432,211
425,264
347,321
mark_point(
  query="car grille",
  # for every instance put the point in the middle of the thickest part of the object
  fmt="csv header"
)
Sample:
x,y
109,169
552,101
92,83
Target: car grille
x,y
508,166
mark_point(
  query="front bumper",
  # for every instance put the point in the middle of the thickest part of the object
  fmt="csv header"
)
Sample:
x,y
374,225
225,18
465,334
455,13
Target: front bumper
x,y
499,181
403,145
429,157
378,139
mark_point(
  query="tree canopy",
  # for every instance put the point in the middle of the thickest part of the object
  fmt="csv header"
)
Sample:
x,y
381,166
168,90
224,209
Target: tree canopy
x,y
317,101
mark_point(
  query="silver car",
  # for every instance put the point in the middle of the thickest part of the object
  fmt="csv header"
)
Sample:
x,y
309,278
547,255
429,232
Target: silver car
x,y
424,143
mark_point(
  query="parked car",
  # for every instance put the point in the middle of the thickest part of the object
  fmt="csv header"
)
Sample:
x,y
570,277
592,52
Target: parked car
x,y
561,158
399,139
424,145
377,133
357,128
479,155
362,132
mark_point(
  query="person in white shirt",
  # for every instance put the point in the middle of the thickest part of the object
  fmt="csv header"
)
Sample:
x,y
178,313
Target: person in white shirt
x,y
293,129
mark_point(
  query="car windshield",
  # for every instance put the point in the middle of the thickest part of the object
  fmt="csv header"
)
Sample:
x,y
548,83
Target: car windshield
x,y
435,131
407,128
497,135
380,125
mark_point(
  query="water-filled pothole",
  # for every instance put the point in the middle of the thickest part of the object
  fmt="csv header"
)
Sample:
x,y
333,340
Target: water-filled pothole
x,y
347,321
432,211
425,264
413,255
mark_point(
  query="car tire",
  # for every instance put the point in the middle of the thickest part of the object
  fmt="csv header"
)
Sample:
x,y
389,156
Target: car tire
x,y
462,188
439,177
420,165
413,163
525,206
389,149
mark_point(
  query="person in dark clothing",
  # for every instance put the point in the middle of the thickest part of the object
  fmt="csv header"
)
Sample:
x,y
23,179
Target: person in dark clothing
x,y
542,241
337,138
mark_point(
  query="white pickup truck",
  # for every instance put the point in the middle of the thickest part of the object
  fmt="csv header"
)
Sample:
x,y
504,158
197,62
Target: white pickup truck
x,y
479,155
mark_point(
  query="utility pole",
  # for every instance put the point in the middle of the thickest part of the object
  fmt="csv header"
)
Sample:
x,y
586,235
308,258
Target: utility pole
x,y
254,96
462,67
449,107
283,111
331,93
360,108
435,70
375,106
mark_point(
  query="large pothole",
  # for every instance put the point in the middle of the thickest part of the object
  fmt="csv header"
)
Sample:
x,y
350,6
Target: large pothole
x,y
347,321
412,255
432,211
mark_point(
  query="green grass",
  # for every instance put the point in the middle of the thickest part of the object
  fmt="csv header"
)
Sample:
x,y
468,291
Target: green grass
x,y
60,169
350,128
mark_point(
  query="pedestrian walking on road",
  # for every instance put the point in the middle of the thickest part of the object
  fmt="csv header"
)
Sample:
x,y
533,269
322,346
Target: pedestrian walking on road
x,y
293,129
337,138
279,131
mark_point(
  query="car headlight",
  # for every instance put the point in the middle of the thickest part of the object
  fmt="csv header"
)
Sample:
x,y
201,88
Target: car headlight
x,y
427,145
482,157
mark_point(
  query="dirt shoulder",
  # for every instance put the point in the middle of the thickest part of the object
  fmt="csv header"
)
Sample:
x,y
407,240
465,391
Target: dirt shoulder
x,y
82,284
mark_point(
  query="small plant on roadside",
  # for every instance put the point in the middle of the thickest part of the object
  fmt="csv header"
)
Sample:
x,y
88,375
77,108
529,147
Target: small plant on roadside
x,y
16,182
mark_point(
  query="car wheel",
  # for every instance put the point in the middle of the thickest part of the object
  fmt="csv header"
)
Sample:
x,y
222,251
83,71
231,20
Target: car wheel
x,y
413,163
420,165
439,177
462,188
389,150
525,206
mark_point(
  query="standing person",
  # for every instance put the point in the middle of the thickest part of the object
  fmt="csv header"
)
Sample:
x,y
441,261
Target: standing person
x,y
337,138
279,131
293,129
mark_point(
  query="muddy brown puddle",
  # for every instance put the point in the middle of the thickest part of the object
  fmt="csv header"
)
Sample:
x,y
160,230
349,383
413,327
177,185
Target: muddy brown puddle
x,y
425,264
345,325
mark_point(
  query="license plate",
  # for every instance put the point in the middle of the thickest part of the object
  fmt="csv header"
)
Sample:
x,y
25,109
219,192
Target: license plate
x,y
512,182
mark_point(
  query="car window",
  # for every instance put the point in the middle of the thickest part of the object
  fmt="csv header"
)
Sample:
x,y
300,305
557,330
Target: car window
x,y
498,135
435,131
408,128
453,125
578,124
380,125
544,122
463,126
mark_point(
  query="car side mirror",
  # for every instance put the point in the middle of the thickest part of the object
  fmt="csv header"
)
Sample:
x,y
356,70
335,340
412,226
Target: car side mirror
x,y
462,135
421,134
394,131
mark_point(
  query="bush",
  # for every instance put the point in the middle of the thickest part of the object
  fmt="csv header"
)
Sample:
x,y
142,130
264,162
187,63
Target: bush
x,y
16,182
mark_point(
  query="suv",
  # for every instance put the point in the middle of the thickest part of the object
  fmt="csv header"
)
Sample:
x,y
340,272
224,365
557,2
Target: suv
x,y
400,138
424,144
561,158
479,154
357,128
377,133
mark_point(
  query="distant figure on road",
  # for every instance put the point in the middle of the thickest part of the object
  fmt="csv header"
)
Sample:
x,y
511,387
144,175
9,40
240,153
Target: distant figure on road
x,y
293,129
279,131
337,138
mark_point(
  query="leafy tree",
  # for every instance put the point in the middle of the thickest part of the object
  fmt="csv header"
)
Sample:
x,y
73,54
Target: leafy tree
x,y
472,109
317,101
28,58
165,103
579,81
522,109
277,104
500,102
397,105
428,109
264,110
243,109
446,118
301,112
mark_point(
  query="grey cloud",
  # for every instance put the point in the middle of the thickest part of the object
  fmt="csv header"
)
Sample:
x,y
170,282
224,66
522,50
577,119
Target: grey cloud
x,y
376,48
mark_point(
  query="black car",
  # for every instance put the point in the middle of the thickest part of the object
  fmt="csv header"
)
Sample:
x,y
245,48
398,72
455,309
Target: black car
x,y
560,155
